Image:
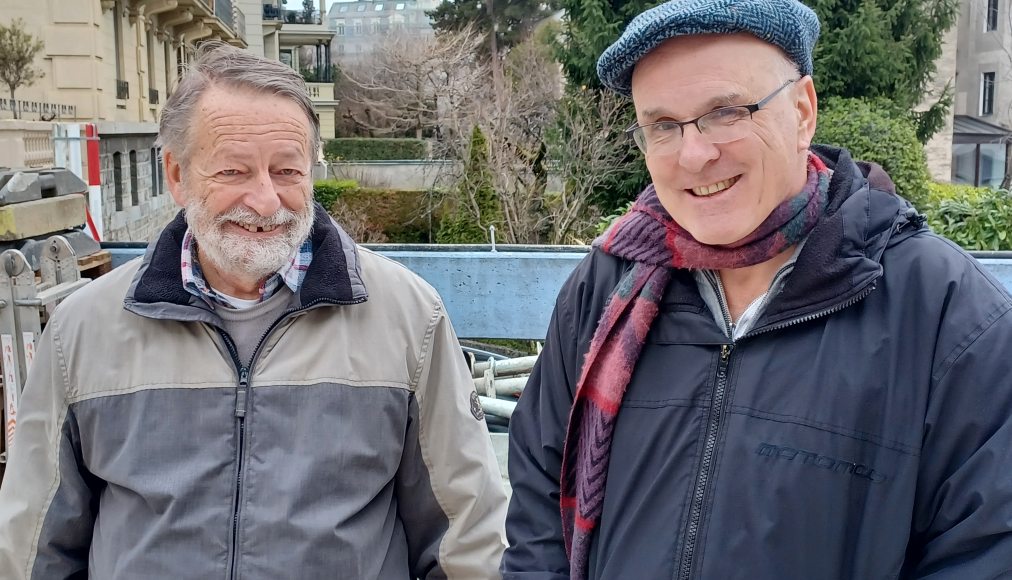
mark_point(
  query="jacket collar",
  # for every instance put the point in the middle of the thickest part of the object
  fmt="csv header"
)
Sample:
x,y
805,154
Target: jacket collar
x,y
333,277
842,257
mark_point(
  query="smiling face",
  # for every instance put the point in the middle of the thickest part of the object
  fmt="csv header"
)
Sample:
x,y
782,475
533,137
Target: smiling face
x,y
720,193
245,183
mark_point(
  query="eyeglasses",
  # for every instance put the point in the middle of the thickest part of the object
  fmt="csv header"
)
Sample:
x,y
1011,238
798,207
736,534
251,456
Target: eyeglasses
x,y
721,125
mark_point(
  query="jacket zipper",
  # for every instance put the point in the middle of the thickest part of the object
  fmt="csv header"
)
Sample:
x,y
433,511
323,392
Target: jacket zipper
x,y
815,315
714,421
241,398
715,418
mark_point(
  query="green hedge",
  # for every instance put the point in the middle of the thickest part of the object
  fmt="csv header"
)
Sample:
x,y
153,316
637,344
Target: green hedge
x,y
876,131
329,190
363,149
976,218
401,216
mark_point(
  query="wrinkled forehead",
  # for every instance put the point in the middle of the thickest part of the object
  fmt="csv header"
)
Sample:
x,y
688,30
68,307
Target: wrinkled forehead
x,y
230,117
737,58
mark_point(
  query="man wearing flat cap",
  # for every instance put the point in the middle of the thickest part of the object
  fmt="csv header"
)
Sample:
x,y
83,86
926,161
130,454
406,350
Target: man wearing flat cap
x,y
770,368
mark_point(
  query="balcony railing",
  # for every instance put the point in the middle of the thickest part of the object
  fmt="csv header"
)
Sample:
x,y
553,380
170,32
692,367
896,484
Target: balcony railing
x,y
272,12
320,91
153,96
122,90
223,10
301,16
240,23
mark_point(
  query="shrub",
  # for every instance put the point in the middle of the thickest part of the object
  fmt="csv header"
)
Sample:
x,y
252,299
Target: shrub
x,y
328,191
976,218
377,215
459,224
876,131
370,149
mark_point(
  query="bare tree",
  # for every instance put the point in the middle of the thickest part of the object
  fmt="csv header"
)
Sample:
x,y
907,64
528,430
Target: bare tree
x,y
18,48
588,156
409,83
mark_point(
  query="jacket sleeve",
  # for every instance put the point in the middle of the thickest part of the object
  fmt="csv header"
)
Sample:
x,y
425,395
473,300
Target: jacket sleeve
x,y
46,516
963,518
538,430
451,496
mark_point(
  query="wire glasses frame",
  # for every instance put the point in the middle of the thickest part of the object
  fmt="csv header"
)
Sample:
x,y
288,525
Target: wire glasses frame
x,y
721,125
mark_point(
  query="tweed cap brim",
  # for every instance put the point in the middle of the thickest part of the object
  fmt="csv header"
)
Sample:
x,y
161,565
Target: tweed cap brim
x,y
788,24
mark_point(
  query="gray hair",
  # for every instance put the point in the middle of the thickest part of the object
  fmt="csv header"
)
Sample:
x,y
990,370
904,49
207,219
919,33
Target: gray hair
x,y
218,64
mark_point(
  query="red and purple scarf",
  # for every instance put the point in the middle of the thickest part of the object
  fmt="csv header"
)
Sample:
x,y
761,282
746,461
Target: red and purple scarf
x,y
656,244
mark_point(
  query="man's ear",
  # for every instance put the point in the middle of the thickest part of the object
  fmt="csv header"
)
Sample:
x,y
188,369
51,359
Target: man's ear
x,y
807,105
174,177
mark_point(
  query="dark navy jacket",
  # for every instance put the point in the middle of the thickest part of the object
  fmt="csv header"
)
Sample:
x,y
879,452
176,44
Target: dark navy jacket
x,y
861,430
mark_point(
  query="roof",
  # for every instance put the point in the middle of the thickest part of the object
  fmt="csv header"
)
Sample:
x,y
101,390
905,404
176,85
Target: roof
x,y
975,130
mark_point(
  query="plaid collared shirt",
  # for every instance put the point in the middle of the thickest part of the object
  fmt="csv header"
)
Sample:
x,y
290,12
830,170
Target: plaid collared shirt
x,y
292,273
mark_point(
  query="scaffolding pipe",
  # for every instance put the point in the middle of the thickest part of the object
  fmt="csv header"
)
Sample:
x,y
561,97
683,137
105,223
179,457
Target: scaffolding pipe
x,y
497,407
511,386
511,366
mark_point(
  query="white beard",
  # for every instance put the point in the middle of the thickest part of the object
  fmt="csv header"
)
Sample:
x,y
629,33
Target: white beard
x,y
235,253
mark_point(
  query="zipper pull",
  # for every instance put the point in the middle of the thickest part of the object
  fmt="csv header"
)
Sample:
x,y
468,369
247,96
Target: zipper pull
x,y
240,393
725,352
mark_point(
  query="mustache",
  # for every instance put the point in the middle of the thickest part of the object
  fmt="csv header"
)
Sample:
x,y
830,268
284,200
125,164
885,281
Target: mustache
x,y
247,216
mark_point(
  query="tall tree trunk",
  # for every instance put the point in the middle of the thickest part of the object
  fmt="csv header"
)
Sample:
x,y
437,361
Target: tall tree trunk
x,y
14,103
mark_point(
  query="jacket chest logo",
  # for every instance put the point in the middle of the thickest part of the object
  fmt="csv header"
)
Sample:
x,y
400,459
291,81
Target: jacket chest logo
x,y
815,460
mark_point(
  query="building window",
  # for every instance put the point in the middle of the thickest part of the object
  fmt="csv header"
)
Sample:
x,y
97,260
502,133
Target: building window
x,y
379,8
117,178
358,27
343,8
979,164
360,8
399,6
987,94
156,181
339,27
992,16
134,193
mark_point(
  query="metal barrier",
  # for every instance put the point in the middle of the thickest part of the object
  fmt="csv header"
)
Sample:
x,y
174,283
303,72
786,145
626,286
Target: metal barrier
x,y
22,300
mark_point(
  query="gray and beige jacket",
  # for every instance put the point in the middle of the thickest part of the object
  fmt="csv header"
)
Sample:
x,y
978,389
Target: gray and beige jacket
x,y
347,449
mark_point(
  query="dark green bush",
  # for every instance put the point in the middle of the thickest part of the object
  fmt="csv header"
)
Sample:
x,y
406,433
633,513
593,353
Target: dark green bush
x,y
459,224
328,191
373,149
876,131
976,218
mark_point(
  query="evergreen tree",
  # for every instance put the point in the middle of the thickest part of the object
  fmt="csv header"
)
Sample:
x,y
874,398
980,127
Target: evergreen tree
x,y
514,20
589,27
474,206
877,49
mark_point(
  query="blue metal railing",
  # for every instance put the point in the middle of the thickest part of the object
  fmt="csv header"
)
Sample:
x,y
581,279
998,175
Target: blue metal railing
x,y
510,292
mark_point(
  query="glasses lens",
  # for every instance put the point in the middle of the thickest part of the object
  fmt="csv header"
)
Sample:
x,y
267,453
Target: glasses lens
x,y
726,125
658,137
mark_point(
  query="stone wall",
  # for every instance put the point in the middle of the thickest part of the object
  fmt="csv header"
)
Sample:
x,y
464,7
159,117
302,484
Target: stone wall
x,y
135,198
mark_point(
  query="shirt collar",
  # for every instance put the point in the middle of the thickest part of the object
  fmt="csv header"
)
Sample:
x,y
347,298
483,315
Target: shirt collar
x,y
291,274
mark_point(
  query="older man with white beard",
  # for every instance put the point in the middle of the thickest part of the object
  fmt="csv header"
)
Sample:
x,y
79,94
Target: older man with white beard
x,y
257,397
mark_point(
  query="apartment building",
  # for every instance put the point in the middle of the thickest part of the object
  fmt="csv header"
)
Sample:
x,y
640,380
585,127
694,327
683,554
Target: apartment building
x,y
983,95
300,39
358,25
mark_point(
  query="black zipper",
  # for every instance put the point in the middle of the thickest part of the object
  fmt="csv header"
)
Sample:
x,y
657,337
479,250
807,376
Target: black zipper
x,y
713,424
715,418
241,404
815,315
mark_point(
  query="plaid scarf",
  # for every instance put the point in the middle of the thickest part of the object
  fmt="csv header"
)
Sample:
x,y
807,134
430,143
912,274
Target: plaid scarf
x,y
291,274
649,237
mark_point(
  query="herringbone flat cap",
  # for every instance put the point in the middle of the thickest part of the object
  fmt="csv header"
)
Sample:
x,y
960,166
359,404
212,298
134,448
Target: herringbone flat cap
x,y
788,24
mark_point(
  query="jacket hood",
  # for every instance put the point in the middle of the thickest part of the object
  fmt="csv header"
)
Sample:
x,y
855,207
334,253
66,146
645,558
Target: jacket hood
x,y
334,275
841,258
